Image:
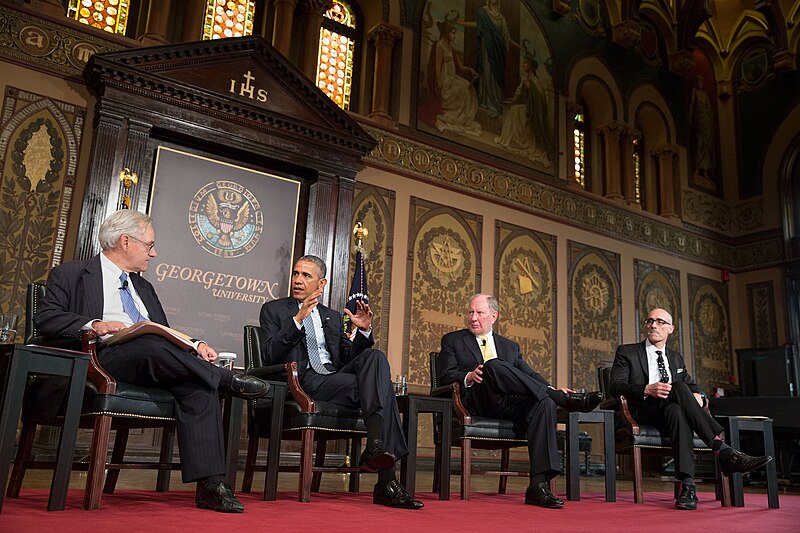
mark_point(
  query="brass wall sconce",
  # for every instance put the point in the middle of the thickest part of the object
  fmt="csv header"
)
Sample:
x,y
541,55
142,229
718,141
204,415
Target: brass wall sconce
x,y
128,180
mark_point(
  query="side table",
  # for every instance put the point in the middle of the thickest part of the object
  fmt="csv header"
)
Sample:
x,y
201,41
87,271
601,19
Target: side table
x,y
734,425
51,361
410,406
573,420
232,423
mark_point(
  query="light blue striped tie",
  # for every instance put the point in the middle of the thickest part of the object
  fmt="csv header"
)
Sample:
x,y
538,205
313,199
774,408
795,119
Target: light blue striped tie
x,y
313,347
128,305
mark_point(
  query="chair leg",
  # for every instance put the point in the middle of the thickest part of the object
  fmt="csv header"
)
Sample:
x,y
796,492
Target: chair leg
x,y
250,463
319,462
636,458
466,468
165,457
97,462
26,437
725,488
676,489
117,456
505,460
306,452
355,455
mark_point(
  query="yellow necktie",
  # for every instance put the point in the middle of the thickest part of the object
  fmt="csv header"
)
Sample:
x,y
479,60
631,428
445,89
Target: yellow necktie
x,y
486,349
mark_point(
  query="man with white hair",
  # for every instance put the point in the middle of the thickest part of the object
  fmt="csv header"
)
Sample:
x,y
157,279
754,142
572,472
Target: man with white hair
x,y
106,294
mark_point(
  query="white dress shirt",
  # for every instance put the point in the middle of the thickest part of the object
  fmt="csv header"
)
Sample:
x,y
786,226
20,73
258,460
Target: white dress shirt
x,y
652,362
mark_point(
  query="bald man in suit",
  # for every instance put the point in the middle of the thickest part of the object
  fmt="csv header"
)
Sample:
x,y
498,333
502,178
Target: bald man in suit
x,y
661,392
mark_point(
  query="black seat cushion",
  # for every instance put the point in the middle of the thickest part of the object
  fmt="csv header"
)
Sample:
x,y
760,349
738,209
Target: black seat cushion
x,y
485,428
649,436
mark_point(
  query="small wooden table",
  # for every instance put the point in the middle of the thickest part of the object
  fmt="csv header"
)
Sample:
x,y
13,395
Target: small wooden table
x,y
232,422
410,406
573,420
51,361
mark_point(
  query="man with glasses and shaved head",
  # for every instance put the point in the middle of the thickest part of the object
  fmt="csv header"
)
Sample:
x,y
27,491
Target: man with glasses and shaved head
x,y
660,392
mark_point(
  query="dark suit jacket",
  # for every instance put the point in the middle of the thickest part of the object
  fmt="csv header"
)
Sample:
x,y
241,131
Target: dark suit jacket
x,y
285,343
75,296
630,373
460,355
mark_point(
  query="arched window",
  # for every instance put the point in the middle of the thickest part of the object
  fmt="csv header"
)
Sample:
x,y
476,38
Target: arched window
x,y
579,150
228,18
638,169
337,41
107,15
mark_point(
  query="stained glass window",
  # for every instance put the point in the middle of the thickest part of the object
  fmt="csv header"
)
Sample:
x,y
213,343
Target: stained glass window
x,y
337,38
228,18
579,149
638,150
107,15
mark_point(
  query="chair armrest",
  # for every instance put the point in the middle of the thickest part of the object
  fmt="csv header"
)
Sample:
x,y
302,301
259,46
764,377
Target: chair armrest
x,y
305,401
101,379
268,371
626,415
463,415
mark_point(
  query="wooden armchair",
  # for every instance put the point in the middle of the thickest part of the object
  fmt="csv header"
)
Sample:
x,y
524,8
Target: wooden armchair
x,y
108,404
634,439
476,432
304,419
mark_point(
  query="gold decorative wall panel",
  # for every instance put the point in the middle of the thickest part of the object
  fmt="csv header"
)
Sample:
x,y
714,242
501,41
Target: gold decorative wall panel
x,y
658,286
39,145
443,273
374,208
594,311
710,331
761,315
525,286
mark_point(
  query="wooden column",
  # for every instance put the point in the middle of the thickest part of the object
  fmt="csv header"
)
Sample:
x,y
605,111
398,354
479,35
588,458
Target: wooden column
x,y
383,36
666,178
628,136
282,25
611,157
194,15
312,12
155,32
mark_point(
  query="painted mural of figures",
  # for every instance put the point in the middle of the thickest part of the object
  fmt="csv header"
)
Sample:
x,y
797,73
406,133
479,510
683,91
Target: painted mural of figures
x,y
493,40
453,100
701,114
526,123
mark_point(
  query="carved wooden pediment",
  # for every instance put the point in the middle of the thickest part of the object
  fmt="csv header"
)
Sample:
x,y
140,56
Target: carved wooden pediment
x,y
233,90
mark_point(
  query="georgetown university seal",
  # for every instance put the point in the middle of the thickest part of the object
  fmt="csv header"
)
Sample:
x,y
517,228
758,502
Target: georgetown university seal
x,y
225,219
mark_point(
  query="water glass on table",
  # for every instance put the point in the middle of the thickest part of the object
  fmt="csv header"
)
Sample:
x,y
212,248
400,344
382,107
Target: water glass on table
x,y
226,360
8,328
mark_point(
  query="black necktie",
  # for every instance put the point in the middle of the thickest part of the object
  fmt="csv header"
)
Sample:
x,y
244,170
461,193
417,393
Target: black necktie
x,y
662,370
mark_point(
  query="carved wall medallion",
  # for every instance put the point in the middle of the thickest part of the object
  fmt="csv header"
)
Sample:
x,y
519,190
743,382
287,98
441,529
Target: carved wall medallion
x,y
710,331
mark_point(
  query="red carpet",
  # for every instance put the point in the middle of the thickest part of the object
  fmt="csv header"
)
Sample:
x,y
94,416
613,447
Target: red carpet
x,y
134,511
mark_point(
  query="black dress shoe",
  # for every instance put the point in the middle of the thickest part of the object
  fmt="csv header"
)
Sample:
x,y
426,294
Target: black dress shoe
x,y
395,495
582,401
218,497
687,500
540,495
375,457
247,387
741,462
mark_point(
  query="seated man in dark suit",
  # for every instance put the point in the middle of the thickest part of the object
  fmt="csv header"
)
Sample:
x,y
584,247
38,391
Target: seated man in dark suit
x,y
497,382
335,369
660,392
97,295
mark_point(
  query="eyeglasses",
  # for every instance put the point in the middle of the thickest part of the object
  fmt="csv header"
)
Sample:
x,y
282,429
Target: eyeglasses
x,y
148,245
659,321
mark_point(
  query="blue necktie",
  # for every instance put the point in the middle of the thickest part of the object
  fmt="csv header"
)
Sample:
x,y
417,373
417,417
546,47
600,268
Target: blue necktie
x,y
313,347
128,305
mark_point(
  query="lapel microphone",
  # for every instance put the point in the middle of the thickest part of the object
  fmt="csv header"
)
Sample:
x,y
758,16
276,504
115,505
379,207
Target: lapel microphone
x,y
124,285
